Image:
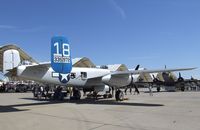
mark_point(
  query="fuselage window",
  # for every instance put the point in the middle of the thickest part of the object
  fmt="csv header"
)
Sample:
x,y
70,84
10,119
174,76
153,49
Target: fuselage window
x,y
83,75
73,75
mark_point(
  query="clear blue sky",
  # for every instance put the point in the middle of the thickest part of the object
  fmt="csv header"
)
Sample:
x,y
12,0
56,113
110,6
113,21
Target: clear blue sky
x,y
152,33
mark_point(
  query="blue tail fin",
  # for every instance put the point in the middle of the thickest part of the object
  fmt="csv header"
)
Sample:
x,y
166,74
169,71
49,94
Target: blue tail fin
x,y
61,61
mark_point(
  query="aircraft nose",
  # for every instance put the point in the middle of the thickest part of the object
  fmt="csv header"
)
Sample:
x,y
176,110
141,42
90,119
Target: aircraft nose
x,y
106,79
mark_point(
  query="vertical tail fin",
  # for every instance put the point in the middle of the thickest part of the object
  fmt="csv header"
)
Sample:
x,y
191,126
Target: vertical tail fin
x,y
61,61
11,59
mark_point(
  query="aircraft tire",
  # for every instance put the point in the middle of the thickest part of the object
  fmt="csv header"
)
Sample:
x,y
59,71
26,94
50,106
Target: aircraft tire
x,y
158,89
77,94
110,95
105,96
182,88
119,95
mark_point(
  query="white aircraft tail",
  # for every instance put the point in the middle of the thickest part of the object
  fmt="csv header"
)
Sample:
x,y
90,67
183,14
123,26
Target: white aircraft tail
x,y
12,56
11,59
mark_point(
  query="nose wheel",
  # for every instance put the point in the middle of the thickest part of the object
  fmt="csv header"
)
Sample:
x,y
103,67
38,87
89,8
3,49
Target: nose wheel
x,y
119,95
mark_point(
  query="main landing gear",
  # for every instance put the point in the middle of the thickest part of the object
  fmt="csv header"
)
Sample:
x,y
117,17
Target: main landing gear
x,y
158,89
119,95
76,94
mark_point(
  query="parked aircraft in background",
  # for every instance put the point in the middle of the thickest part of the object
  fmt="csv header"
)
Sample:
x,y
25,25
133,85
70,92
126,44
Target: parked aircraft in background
x,y
61,72
168,82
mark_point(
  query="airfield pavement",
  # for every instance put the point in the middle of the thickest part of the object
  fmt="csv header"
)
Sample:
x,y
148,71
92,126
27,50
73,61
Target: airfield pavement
x,y
162,111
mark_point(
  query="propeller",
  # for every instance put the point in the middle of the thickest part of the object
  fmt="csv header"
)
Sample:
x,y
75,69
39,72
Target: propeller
x,y
137,67
192,78
180,78
155,79
132,82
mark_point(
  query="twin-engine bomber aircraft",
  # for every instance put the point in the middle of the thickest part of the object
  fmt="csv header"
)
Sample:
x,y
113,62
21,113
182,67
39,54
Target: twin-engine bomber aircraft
x,y
61,72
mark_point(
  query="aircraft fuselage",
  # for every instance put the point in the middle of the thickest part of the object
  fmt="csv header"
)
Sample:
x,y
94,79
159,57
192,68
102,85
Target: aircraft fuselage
x,y
78,77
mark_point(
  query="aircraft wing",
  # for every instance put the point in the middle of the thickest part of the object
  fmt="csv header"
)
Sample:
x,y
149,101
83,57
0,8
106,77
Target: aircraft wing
x,y
40,65
134,72
121,78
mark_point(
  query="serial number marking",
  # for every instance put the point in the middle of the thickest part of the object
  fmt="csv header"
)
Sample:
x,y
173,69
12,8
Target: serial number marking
x,y
61,59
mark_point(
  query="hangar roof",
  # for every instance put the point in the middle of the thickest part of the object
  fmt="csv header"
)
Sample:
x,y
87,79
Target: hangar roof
x,y
117,67
83,62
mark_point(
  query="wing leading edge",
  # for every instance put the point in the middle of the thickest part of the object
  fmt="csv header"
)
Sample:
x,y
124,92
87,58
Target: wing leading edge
x,y
149,71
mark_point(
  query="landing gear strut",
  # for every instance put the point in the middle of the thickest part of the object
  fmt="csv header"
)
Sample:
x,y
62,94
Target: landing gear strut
x,y
119,95
76,94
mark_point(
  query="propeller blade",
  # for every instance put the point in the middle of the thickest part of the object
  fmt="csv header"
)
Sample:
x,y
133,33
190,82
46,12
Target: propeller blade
x,y
179,74
137,67
180,78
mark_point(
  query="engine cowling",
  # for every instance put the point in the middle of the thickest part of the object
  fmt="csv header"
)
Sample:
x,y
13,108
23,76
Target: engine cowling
x,y
117,80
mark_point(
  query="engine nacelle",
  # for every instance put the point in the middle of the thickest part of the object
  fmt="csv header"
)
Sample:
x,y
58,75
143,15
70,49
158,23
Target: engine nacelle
x,y
117,81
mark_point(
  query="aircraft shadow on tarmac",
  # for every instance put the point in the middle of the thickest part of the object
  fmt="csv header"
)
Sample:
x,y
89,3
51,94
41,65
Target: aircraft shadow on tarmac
x,y
11,108
5,109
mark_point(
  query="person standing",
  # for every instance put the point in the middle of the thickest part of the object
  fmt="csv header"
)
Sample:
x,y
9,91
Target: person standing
x,y
136,89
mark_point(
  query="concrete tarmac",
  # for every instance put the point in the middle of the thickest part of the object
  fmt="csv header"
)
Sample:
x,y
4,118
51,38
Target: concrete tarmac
x,y
162,111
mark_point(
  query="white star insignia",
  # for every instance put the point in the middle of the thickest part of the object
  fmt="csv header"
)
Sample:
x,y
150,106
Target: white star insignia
x,y
64,76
